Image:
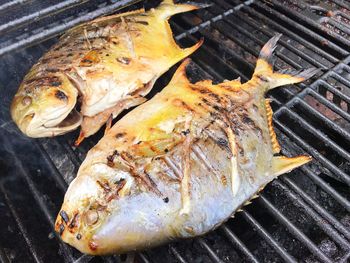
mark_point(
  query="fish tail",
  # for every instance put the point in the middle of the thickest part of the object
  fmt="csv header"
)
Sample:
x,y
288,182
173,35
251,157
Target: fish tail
x,y
168,8
264,69
185,52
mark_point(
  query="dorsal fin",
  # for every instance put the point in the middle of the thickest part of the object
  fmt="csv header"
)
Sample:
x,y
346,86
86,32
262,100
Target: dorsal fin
x,y
276,148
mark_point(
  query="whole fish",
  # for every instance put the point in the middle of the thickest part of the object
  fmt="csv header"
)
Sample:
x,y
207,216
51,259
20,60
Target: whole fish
x,y
96,70
179,165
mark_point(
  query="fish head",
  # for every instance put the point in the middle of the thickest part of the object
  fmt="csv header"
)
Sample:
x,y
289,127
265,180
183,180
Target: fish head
x,y
45,106
111,214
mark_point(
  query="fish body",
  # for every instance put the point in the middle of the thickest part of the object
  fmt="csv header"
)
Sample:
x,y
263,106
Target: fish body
x,y
106,65
178,165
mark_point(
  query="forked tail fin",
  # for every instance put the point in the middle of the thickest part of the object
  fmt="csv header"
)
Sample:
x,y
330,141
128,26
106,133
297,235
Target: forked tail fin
x,y
264,68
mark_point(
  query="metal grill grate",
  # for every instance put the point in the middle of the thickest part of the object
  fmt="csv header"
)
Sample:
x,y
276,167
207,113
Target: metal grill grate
x,y
303,216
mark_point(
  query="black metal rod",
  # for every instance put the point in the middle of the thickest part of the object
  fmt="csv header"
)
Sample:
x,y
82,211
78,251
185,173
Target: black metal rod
x,y
311,23
285,58
177,254
54,31
319,134
302,28
295,231
214,19
310,210
238,243
288,32
327,188
210,251
316,154
263,233
22,229
49,11
11,4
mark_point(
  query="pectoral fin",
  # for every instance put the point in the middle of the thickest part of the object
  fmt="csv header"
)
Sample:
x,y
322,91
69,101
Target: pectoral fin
x,y
283,164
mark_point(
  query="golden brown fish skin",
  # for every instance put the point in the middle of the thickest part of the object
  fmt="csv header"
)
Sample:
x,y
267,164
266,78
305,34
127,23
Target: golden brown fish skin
x,y
178,165
106,62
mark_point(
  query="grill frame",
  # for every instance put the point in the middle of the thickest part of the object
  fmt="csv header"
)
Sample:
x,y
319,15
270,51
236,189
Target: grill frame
x,y
331,225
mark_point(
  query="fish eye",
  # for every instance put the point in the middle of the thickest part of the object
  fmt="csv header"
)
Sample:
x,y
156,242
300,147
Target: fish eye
x,y
26,101
91,217
60,95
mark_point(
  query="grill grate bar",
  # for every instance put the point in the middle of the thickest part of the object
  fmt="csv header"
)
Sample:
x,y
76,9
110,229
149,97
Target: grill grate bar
x,y
302,28
54,31
12,4
330,124
36,194
326,102
51,10
327,188
287,32
321,136
316,154
262,232
324,225
345,258
211,252
311,23
58,177
20,226
212,53
213,19
177,254
294,230
256,40
326,85
238,243
3,257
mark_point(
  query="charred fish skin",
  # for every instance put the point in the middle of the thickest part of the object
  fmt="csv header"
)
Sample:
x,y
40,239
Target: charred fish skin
x,y
178,165
111,63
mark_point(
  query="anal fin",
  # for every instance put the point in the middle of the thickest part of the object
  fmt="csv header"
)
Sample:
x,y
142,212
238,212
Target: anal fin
x,y
284,164
276,148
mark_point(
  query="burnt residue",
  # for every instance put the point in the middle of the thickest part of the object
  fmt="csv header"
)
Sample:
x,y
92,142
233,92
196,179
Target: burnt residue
x,y
114,193
186,132
121,180
145,23
61,229
64,216
124,60
104,185
110,158
120,135
73,223
47,81
262,78
60,95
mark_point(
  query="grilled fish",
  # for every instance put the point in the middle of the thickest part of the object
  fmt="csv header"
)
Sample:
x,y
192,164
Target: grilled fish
x,y
199,153
106,65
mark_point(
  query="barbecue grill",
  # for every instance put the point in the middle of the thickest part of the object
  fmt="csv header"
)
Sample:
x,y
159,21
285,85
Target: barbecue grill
x,y
302,216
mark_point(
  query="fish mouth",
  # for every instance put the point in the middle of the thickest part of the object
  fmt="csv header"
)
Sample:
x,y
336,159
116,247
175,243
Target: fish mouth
x,y
52,127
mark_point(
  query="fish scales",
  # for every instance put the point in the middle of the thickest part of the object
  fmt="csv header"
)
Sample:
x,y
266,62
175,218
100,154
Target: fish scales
x,y
189,159
102,67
